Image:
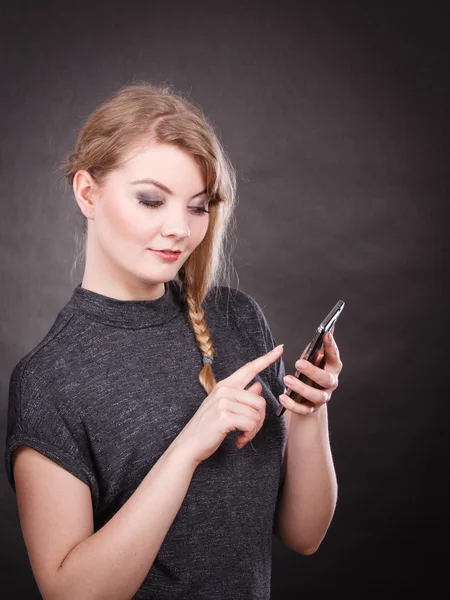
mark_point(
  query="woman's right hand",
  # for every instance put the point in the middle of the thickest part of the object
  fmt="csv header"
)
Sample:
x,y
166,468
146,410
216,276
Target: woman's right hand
x,y
228,407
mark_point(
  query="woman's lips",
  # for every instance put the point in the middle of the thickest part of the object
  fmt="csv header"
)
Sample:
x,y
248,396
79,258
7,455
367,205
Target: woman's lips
x,y
170,256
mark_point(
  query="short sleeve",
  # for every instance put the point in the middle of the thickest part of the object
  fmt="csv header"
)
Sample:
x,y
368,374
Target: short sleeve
x,y
36,419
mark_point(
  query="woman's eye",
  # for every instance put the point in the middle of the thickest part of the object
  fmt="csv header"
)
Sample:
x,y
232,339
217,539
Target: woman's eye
x,y
156,203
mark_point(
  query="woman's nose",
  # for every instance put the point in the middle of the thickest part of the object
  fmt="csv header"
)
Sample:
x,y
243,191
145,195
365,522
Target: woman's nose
x,y
177,225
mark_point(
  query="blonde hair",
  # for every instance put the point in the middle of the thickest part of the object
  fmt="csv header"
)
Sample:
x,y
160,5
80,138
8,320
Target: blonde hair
x,y
145,113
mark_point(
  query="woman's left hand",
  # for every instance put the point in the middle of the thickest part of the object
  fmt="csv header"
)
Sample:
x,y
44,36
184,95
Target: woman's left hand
x,y
325,379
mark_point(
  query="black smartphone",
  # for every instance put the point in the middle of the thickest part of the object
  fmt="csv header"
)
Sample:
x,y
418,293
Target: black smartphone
x,y
312,352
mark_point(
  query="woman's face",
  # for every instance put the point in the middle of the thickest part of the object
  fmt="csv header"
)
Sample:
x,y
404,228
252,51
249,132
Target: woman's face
x,y
124,225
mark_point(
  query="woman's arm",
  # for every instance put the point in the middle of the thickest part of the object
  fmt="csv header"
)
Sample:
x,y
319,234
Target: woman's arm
x,y
309,493
112,563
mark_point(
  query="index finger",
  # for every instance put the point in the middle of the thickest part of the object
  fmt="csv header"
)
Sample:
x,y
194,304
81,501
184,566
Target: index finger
x,y
242,376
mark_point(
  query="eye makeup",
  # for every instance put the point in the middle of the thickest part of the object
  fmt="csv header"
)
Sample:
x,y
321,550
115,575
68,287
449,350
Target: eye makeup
x,y
155,202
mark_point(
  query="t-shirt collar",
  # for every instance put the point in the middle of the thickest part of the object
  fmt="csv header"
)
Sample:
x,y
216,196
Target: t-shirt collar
x,y
132,314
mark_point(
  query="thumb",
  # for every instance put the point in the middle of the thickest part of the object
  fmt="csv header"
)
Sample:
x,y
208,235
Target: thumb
x,y
256,388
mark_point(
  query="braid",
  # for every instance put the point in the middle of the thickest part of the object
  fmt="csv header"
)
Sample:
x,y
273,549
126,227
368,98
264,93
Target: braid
x,y
196,317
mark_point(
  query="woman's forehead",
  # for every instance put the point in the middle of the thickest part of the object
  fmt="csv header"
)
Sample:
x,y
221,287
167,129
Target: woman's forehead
x,y
173,167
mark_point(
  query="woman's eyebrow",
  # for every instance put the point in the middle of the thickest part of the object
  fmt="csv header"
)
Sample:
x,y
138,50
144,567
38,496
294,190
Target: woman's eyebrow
x,y
163,187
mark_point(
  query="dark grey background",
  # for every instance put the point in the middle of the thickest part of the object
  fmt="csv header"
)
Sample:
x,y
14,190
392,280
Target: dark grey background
x,y
336,117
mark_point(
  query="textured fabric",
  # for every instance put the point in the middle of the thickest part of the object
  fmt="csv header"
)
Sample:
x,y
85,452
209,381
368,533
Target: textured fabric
x,y
108,389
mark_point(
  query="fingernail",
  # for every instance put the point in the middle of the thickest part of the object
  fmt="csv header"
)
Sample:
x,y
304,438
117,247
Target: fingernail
x,y
302,364
278,348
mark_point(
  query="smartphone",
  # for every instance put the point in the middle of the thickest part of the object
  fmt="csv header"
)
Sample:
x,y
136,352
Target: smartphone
x,y
312,352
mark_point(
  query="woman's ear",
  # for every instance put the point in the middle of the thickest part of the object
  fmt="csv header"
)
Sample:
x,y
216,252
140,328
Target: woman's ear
x,y
84,188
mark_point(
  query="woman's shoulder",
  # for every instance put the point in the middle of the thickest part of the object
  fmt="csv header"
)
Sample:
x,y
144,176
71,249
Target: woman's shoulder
x,y
38,369
237,308
227,296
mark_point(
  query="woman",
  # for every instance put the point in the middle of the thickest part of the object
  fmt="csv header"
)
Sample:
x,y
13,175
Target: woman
x,y
128,423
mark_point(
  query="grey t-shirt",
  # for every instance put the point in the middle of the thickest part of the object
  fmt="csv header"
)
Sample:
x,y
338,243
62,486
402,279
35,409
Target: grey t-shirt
x,y
107,390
